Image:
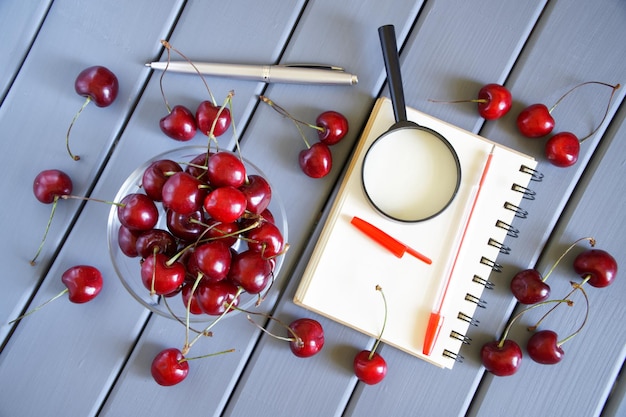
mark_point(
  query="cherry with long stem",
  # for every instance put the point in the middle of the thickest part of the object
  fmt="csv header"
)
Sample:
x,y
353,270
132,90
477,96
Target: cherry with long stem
x,y
369,366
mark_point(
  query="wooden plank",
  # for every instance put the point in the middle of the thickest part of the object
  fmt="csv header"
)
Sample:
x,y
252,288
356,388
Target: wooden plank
x,y
20,22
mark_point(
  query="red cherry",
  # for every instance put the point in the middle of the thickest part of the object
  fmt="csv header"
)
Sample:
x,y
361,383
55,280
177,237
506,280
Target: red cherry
x,y
369,368
183,193
258,193
535,121
179,124
83,282
51,184
194,307
224,232
161,277
316,161
169,367
250,271
265,239
197,167
207,113
214,297
137,212
597,265
156,174
310,337
225,204
529,288
213,259
543,348
501,359
99,84
127,241
494,101
188,227
154,241
335,127
562,149
225,168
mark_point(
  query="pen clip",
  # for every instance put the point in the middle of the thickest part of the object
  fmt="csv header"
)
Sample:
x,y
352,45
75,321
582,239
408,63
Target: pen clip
x,y
314,66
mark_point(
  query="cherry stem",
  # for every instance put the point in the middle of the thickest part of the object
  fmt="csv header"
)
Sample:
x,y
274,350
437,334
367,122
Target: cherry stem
x,y
167,65
474,100
45,234
518,315
380,335
295,337
608,106
97,200
178,319
188,309
592,242
295,121
28,313
168,46
587,278
208,355
69,129
578,287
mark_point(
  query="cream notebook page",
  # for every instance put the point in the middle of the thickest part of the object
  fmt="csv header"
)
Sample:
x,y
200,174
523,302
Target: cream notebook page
x,y
346,265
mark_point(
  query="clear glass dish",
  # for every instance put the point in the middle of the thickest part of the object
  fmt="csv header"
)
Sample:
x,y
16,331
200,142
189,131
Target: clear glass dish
x,y
128,268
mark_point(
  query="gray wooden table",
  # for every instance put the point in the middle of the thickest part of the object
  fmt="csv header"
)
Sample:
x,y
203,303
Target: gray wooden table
x,y
94,359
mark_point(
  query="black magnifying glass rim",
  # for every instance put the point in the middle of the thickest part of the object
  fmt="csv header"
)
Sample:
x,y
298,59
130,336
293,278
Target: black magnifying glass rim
x,y
396,129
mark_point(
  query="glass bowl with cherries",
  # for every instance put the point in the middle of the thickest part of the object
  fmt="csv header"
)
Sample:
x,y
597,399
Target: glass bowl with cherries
x,y
197,233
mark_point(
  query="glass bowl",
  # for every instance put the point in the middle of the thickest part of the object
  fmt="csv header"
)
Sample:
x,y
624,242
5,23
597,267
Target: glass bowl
x,y
128,268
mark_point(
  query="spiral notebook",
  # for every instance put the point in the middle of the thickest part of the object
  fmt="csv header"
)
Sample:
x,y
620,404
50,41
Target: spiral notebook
x,y
345,267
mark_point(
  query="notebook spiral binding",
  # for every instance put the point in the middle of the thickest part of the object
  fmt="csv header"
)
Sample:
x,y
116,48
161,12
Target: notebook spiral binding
x,y
496,267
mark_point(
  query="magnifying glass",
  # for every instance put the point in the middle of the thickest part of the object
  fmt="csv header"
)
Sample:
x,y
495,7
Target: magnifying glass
x,y
410,173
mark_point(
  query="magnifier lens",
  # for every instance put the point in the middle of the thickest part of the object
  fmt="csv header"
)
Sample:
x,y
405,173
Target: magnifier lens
x,y
410,174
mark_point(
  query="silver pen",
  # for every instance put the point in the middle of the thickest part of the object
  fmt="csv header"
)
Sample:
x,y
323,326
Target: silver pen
x,y
292,74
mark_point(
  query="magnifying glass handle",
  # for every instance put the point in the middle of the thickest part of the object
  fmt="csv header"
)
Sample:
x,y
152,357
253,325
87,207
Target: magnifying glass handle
x,y
387,36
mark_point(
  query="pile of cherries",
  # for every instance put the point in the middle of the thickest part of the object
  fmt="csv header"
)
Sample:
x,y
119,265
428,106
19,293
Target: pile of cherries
x,y
536,121
503,357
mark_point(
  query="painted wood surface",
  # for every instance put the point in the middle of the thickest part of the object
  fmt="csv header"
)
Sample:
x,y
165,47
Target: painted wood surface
x,y
448,49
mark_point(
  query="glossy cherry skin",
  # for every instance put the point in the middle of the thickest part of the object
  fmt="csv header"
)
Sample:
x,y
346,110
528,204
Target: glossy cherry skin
x,y
258,193
179,124
169,367
198,166
51,184
316,161
501,361
187,227
155,241
155,176
225,204
266,239
562,149
225,168
84,283
99,84
600,265
183,193
371,371
535,121
138,212
310,337
543,348
206,113
495,101
213,259
160,277
250,271
335,127
224,232
127,241
188,300
214,297
528,287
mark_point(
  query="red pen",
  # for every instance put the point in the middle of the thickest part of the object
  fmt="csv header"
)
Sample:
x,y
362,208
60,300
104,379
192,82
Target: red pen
x,y
393,245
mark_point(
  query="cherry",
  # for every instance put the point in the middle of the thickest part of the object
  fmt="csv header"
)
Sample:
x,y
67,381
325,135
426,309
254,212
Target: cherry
x,y
596,266
501,358
265,239
197,167
535,121
529,287
250,271
369,366
155,241
183,193
169,367
215,298
187,227
562,149
97,84
160,275
493,101
179,124
50,184
189,301
211,119
137,212
225,204
258,193
127,241
83,283
335,127
224,168
309,337
316,161
155,176
213,259
543,348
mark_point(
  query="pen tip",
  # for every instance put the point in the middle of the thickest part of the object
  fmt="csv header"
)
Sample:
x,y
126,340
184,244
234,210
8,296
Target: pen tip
x,y
355,79
148,64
